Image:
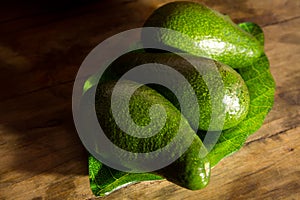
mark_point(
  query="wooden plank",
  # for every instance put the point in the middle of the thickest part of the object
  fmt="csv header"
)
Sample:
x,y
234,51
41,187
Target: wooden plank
x,y
40,150
41,154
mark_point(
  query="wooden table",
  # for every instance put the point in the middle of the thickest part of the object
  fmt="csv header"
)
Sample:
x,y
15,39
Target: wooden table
x,y
42,44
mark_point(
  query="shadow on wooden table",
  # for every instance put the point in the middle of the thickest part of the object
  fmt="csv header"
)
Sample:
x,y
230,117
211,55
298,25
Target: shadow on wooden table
x,y
39,134
41,48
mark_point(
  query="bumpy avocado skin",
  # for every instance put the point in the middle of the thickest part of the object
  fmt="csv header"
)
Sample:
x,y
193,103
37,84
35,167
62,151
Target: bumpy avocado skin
x,y
234,98
190,170
211,34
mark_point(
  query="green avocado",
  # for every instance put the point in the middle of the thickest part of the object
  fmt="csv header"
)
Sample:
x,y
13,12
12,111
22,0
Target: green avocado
x,y
210,34
190,170
232,97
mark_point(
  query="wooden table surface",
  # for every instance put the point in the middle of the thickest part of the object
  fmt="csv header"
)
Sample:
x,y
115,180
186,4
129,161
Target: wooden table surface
x,y
42,44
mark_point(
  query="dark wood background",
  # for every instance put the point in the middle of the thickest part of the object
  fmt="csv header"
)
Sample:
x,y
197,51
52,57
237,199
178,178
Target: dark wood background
x,y
42,44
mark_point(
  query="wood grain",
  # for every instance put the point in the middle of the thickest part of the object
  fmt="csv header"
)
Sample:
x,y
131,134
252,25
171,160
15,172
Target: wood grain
x,y
42,44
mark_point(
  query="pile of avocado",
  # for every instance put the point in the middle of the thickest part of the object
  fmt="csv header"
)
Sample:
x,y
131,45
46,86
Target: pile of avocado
x,y
216,41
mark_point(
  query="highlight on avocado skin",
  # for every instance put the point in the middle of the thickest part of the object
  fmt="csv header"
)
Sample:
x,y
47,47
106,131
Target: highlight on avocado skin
x,y
244,97
213,35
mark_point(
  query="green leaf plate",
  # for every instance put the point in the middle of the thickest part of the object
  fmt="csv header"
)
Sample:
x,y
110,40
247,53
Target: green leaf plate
x,y
261,86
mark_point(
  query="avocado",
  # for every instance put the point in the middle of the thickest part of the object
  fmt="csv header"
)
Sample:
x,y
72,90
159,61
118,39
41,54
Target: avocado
x,y
232,97
191,170
206,33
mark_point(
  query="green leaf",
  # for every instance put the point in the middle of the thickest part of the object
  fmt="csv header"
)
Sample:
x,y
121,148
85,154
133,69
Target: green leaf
x,y
261,88
254,30
104,180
